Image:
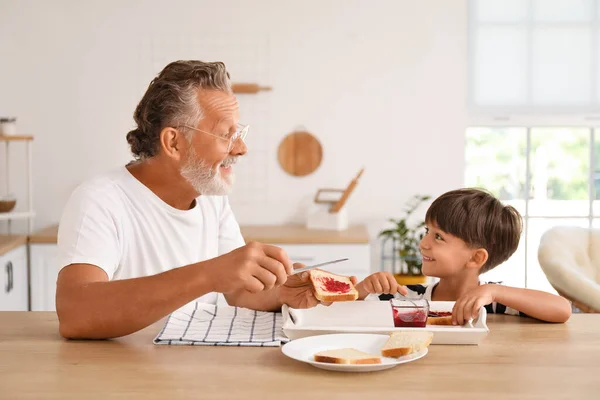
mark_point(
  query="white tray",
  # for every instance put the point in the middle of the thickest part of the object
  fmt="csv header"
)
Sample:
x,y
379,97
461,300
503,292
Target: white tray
x,y
374,317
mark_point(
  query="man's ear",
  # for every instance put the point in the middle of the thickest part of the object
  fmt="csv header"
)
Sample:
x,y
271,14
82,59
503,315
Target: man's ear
x,y
478,258
171,141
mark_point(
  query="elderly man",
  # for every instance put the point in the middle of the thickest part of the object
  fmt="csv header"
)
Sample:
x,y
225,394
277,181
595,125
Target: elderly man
x,y
149,237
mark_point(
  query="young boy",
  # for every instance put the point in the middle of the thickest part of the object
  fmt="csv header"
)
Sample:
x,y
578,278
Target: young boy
x,y
469,232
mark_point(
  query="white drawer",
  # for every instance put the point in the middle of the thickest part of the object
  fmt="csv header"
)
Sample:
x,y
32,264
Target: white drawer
x,y
13,280
359,257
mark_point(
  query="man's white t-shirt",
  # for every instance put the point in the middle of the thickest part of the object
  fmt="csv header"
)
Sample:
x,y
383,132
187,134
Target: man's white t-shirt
x,y
118,224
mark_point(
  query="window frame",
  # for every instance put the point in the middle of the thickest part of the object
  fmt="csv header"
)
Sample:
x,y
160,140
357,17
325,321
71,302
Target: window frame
x,y
593,137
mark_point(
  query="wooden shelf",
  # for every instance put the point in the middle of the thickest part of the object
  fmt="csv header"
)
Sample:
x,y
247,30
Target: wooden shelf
x,y
16,138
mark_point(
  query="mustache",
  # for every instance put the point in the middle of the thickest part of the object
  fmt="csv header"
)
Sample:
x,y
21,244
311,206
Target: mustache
x,y
230,161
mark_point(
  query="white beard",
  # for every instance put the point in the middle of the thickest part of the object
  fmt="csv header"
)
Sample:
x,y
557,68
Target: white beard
x,y
204,179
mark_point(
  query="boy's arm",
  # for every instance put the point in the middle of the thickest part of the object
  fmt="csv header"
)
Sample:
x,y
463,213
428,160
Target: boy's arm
x,y
536,304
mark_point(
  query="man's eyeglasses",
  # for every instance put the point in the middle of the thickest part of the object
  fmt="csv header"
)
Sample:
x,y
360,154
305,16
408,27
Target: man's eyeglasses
x,y
240,133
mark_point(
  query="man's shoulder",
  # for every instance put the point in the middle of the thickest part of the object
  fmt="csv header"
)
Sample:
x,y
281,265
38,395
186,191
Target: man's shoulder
x,y
99,189
101,182
94,205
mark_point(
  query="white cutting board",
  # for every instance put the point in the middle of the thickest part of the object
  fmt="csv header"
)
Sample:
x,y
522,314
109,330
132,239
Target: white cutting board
x,y
374,317
370,314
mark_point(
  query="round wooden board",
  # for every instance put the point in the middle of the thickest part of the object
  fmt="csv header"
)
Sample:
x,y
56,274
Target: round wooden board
x,y
300,153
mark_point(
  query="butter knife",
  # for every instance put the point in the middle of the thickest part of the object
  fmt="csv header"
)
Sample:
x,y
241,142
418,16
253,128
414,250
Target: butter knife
x,y
297,271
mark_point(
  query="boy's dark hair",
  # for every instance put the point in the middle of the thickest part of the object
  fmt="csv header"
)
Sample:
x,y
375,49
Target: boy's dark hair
x,y
480,220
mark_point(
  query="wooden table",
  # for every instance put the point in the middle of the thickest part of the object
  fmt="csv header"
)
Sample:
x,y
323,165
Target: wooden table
x,y
519,359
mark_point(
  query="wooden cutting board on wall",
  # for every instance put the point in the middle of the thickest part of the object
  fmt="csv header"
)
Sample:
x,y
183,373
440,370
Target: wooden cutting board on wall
x,y
300,153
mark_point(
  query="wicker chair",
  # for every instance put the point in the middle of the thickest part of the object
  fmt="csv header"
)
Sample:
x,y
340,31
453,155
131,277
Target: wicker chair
x,y
570,258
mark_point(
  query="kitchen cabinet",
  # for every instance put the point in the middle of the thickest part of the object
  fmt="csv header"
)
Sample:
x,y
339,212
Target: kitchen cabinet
x,y
14,284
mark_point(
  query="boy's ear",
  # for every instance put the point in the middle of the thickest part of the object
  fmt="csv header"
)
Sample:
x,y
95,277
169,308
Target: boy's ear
x,y
478,258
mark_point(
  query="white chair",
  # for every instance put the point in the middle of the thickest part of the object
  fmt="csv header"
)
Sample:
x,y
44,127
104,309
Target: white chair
x,y
570,258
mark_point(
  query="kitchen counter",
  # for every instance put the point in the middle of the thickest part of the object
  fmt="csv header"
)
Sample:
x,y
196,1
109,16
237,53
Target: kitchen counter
x,y
277,234
10,242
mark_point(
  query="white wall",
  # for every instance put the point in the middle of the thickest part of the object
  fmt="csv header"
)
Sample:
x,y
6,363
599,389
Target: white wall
x,y
382,84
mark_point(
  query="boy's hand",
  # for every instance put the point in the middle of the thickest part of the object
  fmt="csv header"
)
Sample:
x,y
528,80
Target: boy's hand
x,y
468,305
379,283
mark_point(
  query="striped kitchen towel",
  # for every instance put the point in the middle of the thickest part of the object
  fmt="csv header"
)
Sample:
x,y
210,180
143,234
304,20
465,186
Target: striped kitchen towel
x,y
202,324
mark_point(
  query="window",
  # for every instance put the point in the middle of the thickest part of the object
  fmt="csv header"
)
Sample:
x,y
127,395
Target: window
x,y
534,55
533,141
551,175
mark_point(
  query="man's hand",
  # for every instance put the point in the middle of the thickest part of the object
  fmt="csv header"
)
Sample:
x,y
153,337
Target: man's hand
x,y
298,290
379,283
468,305
254,267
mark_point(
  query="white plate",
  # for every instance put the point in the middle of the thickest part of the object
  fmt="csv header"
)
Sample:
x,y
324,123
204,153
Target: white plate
x,y
304,350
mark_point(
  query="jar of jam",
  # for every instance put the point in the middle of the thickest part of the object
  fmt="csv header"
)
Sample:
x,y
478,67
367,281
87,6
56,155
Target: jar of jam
x,y
410,313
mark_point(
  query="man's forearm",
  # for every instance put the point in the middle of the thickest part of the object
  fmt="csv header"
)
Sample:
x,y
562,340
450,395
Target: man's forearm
x,y
100,310
261,301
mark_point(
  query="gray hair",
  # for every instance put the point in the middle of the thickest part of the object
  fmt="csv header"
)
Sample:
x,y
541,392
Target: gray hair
x,y
172,100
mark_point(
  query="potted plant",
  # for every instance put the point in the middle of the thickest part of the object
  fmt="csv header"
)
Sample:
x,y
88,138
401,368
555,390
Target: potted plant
x,y
405,240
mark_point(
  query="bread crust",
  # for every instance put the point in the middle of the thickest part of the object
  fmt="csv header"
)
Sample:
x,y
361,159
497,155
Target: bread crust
x,y
397,352
327,356
406,350
330,298
439,320
336,360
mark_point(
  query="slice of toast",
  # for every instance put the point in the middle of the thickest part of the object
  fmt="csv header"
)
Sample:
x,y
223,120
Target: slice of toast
x,y
404,343
445,320
331,287
346,356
